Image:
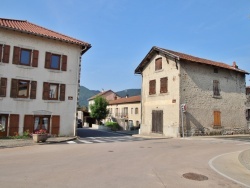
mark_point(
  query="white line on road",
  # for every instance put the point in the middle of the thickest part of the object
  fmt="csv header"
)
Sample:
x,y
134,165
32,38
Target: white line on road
x,y
86,142
71,142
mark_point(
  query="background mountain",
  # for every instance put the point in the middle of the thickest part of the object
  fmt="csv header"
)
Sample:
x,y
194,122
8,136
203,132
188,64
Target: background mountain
x,y
85,94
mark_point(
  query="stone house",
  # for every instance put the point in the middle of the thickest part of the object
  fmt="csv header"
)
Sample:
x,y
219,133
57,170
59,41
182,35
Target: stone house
x,y
213,94
248,106
126,111
39,78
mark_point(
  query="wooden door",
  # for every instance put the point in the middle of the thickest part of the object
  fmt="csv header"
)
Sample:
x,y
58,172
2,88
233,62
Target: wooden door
x,y
157,121
14,124
217,118
55,125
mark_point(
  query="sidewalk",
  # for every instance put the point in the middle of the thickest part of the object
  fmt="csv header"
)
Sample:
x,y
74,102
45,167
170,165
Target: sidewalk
x,y
11,143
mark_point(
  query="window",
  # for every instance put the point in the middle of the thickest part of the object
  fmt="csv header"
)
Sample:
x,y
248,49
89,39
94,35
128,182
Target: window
x,y
4,53
132,110
3,87
164,85
248,91
216,70
216,88
54,91
27,57
248,114
152,89
23,89
158,64
55,61
136,110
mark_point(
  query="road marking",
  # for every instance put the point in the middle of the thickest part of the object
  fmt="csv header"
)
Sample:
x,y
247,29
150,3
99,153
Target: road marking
x,y
100,141
86,142
71,142
211,166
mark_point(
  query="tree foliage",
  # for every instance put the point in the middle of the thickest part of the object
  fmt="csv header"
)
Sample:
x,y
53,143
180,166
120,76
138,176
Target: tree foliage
x,y
99,109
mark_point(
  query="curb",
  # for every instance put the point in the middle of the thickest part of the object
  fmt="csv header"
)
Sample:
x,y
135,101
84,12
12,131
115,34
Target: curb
x,y
244,158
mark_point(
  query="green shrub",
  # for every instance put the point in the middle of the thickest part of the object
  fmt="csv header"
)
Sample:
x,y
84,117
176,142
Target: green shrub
x,y
114,126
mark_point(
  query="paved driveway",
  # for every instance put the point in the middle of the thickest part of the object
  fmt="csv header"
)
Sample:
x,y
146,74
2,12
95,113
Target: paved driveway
x,y
146,164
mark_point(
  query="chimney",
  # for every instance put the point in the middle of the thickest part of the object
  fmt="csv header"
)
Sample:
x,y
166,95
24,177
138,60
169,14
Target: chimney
x,y
234,65
126,95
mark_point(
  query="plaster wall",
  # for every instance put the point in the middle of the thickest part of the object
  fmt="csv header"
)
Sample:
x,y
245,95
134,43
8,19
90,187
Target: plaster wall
x,y
66,109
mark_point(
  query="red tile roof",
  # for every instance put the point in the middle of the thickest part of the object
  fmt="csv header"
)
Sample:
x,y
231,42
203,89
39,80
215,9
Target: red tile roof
x,y
132,99
183,56
30,28
101,94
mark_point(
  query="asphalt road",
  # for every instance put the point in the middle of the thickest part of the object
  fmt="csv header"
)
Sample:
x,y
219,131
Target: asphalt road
x,y
143,164
88,132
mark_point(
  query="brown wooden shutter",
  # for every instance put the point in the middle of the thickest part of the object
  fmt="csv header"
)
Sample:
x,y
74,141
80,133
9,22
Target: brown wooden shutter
x,y
13,91
3,87
16,55
55,125
164,85
35,58
47,60
152,84
14,124
217,118
158,64
64,63
45,91
1,50
6,53
28,123
62,92
33,89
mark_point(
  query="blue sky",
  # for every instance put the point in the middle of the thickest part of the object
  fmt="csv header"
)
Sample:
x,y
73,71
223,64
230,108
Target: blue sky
x,y
122,32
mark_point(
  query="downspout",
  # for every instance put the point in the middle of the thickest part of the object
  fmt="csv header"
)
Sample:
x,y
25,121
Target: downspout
x,y
141,101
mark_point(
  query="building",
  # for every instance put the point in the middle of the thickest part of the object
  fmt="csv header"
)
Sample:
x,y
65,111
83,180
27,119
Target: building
x,y
108,95
126,111
39,78
213,94
248,106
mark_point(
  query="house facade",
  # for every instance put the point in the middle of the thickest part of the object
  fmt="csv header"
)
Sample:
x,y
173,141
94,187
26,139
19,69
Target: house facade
x,y
125,111
39,78
248,106
213,94
108,95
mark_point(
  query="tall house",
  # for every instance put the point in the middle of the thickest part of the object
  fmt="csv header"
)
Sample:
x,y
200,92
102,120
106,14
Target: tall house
x,y
211,93
39,78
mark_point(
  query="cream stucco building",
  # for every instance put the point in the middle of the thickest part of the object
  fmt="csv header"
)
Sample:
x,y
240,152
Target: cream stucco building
x,y
213,92
39,78
126,111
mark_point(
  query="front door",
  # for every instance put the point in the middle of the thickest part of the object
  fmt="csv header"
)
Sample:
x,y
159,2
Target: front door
x,y
157,121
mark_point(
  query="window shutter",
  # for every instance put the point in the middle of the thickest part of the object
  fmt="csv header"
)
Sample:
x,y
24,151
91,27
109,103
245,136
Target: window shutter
x,y
35,58
152,87
164,85
6,54
28,123
45,91
13,91
158,64
64,63
216,88
62,92
33,90
14,124
47,60
16,55
55,125
1,50
3,86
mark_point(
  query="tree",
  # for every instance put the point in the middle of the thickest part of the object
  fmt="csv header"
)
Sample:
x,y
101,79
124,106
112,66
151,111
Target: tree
x,y
99,109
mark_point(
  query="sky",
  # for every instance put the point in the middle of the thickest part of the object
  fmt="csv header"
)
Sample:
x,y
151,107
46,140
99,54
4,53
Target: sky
x,y
122,32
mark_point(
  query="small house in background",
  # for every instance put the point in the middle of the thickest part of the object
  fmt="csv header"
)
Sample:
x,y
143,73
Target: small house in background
x,y
108,95
126,112
211,93
39,78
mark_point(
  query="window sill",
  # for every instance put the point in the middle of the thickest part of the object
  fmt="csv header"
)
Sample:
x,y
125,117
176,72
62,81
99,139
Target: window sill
x,y
217,97
161,70
55,71
25,66
22,99
164,93
52,101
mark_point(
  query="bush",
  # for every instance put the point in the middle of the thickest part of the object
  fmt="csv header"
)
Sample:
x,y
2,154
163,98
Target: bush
x,y
114,126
